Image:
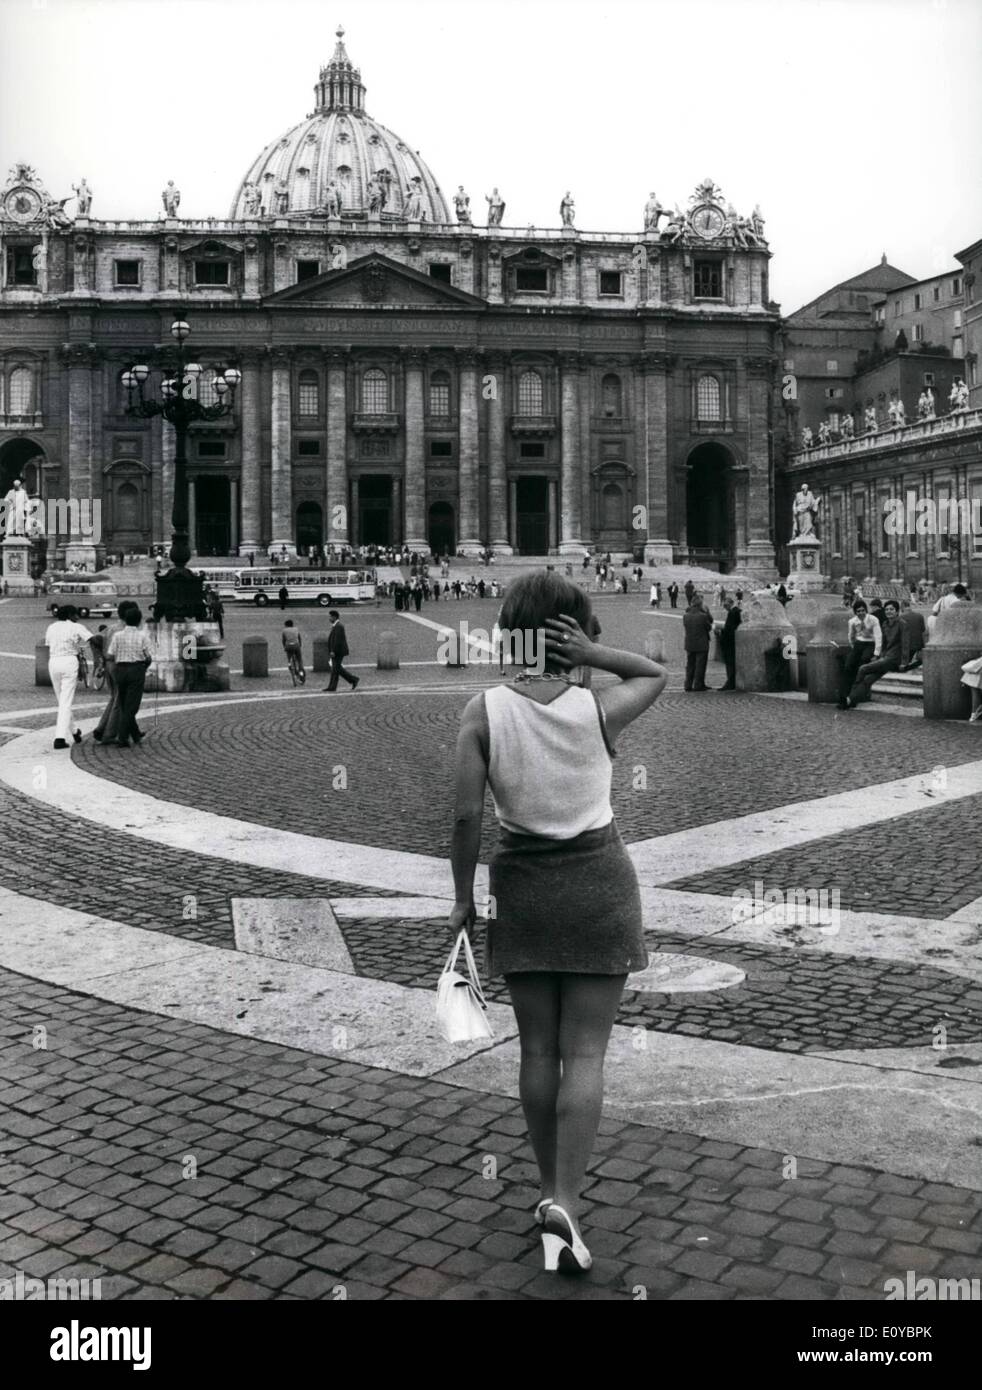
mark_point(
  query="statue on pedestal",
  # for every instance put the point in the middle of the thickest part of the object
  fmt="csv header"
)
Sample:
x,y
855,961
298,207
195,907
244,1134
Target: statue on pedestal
x,y
339,256
462,205
757,223
496,208
39,259
805,513
54,211
653,210
925,404
332,200
281,197
15,507
376,194
171,199
958,396
807,439
677,225
415,202
253,200
870,420
847,429
567,209
824,433
83,194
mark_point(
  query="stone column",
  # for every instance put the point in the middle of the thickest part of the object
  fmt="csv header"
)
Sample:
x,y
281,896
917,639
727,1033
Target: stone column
x,y
553,516
250,397
469,521
759,551
233,516
398,521
281,490
337,529
496,418
415,469
168,454
81,361
571,530
663,526
355,517
513,513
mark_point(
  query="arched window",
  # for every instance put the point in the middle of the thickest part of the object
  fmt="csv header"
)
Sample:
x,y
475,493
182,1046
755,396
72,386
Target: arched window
x,y
530,394
21,391
308,392
207,394
440,393
707,398
610,391
375,392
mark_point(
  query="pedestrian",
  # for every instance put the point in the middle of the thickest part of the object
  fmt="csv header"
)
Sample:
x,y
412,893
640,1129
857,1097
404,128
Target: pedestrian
x,y
481,587
418,596
436,591
782,595
65,639
865,639
293,646
129,655
727,641
567,924
337,650
689,590
106,731
283,596
888,657
698,624
673,594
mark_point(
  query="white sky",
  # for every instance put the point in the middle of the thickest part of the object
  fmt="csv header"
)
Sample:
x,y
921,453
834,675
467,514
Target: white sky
x,y
854,123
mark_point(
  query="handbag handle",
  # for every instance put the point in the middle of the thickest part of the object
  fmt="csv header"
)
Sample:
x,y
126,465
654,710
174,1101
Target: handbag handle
x,y
473,978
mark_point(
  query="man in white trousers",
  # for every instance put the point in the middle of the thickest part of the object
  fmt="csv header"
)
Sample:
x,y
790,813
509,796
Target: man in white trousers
x,y
64,639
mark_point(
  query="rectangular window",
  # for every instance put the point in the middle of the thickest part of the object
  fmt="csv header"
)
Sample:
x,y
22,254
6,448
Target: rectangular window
x,y
308,394
942,500
917,332
928,378
440,398
859,513
975,494
958,318
917,302
956,347
937,294
308,448
789,364
910,509
837,527
127,272
833,420
973,374
832,367
956,285
308,270
833,393
211,272
896,308
211,448
441,448
529,278
532,451
20,266
707,280
441,272
610,282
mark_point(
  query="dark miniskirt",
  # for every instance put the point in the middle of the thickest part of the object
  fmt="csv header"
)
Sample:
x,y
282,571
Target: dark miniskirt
x,y
564,905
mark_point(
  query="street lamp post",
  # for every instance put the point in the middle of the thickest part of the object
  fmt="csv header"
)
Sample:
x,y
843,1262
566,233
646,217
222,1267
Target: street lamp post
x,y
179,592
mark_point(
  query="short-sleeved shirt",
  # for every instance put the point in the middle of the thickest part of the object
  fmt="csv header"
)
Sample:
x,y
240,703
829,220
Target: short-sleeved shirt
x,y
130,644
291,638
65,638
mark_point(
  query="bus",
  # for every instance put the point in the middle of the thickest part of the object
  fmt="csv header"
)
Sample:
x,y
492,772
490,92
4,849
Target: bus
x,y
329,588
94,595
223,581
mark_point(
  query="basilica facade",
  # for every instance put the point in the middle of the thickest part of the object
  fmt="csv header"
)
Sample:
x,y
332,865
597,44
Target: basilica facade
x,y
414,368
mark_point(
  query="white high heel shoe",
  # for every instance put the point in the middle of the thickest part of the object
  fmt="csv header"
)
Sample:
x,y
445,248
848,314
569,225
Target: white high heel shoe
x,y
540,1210
562,1247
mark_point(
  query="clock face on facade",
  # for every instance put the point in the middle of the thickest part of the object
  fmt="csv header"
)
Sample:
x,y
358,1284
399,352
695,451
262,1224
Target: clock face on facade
x,y
22,205
708,220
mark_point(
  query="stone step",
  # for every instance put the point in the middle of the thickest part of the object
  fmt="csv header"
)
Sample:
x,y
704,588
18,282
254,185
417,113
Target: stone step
x,y
906,685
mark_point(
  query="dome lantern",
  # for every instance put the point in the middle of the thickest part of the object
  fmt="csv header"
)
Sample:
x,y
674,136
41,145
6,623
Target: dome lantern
x,y
340,87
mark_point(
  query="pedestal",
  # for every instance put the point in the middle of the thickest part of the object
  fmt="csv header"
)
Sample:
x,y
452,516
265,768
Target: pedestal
x,y
187,656
17,565
658,552
804,560
78,552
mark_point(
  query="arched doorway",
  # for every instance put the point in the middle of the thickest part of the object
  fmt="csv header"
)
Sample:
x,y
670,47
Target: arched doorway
x,y
440,530
21,458
708,522
310,526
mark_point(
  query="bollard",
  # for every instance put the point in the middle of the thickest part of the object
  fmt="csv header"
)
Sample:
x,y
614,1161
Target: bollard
x,y
322,655
957,638
255,656
388,652
654,647
41,674
764,640
826,651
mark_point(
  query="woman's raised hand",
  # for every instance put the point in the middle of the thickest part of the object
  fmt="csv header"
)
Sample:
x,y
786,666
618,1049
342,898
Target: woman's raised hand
x,y
566,643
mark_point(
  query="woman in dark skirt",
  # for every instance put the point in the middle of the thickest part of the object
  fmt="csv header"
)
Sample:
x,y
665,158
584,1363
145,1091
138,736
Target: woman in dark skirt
x,y
565,919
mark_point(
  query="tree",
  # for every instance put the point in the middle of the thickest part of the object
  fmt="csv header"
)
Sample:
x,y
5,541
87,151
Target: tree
x,y
900,342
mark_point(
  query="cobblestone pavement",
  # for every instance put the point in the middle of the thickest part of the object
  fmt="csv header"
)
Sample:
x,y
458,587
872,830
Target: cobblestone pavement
x,y
312,1174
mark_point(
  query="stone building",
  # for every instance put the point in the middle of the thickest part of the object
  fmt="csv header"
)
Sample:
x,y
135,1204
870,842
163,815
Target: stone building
x,y
407,374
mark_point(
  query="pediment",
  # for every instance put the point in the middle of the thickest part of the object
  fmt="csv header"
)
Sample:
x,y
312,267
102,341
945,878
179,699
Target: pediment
x,y
376,282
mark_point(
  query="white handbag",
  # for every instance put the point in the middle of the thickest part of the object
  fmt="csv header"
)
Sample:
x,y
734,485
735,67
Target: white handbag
x,y
461,1009
973,667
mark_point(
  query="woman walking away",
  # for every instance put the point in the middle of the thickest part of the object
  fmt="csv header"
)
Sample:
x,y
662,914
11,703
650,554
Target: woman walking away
x,y
106,731
566,928
65,639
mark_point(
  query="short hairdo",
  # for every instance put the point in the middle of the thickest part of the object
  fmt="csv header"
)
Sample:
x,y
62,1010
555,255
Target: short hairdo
x,y
66,613
122,607
860,603
288,623
333,613
533,598
892,603
959,589
132,617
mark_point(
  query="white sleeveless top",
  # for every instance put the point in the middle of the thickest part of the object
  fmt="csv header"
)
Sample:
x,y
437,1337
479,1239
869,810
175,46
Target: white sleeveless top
x,y
550,768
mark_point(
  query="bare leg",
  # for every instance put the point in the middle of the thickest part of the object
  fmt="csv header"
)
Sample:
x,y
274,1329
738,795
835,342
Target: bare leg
x,y
535,998
589,1006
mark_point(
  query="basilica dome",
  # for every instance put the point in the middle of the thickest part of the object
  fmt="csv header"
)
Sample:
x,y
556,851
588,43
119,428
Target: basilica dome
x,y
339,156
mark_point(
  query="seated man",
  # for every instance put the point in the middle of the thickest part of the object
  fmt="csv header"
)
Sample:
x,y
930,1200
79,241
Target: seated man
x,y
915,636
890,655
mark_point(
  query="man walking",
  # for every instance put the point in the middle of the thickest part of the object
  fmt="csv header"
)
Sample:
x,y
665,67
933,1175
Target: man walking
x,y
698,624
337,649
727,641
283,596
689,590
673,594
130,653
